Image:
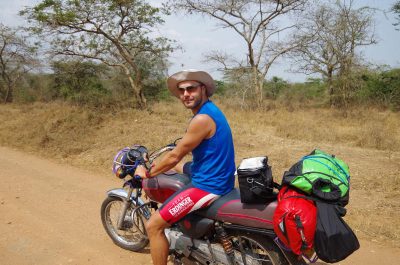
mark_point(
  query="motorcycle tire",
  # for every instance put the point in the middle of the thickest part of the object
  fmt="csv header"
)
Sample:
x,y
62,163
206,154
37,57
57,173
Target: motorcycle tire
x,y
260,249
133,234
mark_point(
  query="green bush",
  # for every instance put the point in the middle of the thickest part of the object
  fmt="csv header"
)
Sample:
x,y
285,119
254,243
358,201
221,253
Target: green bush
x,y
79,82
274,88
313,90
221,87
381,88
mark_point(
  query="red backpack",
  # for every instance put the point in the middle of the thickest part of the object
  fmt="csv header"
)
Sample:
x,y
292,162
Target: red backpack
x,y
295,220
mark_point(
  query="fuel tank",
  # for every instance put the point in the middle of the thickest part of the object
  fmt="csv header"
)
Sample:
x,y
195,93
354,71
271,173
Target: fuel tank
x,y
161,187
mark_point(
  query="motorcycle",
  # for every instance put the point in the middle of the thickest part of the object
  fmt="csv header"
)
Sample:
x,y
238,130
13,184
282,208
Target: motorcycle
x,y
226,232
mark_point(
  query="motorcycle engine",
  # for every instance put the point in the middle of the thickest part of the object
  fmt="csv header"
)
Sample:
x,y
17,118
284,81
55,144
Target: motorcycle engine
x,y
195,248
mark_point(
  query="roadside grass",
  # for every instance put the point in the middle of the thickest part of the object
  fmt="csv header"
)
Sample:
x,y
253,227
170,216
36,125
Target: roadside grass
x,y
367,139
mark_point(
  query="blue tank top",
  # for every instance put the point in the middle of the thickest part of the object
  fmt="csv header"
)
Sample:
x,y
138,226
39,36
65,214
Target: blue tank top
x,y
213,164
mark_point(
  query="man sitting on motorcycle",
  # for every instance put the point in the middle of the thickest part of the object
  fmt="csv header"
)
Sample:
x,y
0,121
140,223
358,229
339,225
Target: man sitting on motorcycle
x,y
209,138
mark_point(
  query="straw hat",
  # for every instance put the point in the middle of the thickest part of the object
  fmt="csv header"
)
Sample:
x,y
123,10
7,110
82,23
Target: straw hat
x,y
190,75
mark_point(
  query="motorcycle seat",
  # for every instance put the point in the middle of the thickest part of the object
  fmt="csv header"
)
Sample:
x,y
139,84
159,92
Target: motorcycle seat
x,y
229,208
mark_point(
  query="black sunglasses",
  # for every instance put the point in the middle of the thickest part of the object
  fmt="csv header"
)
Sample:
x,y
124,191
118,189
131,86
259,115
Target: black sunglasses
x,y
188,89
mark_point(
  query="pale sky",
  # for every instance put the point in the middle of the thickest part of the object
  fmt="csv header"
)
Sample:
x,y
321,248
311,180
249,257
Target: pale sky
x,y
199,35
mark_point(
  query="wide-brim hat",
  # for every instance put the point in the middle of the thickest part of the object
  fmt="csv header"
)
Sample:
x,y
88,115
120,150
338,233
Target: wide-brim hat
x,y
190,75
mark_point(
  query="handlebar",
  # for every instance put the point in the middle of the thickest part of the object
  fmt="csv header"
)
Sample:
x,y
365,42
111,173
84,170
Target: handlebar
x,y
159,152
128,159
162,150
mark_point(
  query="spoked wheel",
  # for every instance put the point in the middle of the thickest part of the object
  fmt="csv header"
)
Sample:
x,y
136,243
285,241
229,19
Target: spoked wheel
x,y
252,249
132,236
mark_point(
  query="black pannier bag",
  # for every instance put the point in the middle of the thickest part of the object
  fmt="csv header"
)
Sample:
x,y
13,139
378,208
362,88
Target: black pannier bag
x,y
255,180
334,240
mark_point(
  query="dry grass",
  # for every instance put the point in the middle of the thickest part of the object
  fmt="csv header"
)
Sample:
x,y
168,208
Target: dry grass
x,y
369,140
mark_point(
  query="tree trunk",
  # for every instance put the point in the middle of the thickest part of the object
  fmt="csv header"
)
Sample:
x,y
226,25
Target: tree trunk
x,y
258,86
9,94
261,91
331,91
136,86
137,89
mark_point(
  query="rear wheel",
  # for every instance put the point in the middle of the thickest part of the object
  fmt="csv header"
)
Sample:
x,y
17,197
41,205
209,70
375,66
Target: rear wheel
x,y
248,249
259,250
132,236
256,250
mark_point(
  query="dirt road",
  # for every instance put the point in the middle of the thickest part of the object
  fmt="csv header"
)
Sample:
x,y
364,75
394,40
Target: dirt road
x,y
49,214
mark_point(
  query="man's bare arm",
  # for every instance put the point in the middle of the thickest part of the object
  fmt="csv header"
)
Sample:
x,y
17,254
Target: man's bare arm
x,y
201,127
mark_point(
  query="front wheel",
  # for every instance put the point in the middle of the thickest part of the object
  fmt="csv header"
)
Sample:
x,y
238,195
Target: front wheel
x,y
132,236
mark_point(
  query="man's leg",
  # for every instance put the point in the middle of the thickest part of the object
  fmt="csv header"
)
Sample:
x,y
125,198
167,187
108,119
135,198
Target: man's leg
x,y
181,203
158,242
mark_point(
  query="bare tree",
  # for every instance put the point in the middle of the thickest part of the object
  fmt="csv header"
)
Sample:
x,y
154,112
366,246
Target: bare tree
x,y
17,57
331,37
259,25
239,81
396,10
114,32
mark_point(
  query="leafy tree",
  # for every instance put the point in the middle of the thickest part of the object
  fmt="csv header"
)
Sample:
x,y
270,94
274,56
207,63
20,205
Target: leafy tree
x,y
79,82
17,57
37,87
331,36
117,33
259,26
275,86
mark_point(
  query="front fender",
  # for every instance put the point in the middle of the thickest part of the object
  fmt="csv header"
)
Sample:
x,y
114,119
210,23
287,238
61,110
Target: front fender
x,y
121,193
140,206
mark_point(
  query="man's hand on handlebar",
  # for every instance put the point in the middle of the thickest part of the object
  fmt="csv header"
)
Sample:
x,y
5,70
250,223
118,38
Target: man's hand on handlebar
x,y
142,172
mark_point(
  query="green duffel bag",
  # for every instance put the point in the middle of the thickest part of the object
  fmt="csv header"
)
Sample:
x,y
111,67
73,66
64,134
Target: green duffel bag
x,y
320,175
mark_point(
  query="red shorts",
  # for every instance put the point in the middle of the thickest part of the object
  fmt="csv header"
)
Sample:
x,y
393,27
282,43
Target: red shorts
x,y
185,201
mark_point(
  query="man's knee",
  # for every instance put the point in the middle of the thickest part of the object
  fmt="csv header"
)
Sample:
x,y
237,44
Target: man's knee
x,y
156,224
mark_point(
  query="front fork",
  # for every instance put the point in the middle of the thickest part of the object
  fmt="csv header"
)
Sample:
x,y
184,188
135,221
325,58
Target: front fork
x,y
128,198
127,203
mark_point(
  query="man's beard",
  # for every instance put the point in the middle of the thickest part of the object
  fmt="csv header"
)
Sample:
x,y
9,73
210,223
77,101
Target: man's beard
x,y
193,103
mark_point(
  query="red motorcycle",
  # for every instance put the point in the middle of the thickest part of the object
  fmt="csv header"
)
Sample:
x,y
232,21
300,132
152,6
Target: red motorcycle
x,y
226,232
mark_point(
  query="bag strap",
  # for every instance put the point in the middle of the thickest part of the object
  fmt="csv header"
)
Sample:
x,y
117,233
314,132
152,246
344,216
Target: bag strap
x,y
276,185
262,193
300,229
312,158
322,173
340,210
332,160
